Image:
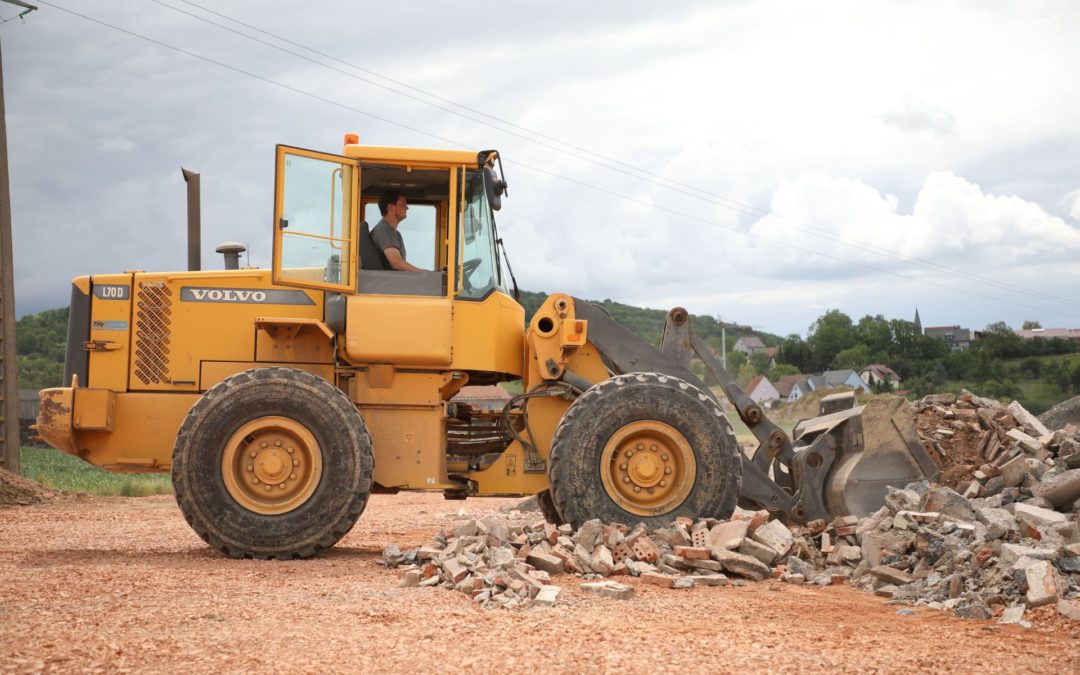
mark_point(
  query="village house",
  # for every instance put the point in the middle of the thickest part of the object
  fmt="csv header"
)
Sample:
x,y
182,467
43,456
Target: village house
x,y
876,373
1049,333
959,339
761,390
749,345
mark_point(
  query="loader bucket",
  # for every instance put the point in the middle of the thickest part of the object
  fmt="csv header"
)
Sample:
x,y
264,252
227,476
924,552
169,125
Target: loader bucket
x,y
873,447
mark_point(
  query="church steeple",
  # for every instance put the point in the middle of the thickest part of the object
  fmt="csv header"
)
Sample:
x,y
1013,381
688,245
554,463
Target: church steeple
x,y
918,322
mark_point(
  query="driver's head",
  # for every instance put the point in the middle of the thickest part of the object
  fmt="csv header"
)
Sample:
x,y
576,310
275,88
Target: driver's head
x,y
392,199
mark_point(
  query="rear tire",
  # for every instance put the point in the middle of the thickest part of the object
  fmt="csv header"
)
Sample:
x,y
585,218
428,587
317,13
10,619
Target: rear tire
x,y
272,463
644,448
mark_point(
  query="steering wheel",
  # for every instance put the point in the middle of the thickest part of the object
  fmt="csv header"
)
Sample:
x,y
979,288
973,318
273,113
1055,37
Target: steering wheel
x,y
467,268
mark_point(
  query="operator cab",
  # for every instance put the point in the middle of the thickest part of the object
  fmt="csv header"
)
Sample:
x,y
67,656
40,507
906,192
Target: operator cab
x,y
326,206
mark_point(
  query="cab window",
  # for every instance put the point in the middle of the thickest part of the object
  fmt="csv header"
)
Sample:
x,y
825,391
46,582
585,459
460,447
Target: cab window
x,y
418,230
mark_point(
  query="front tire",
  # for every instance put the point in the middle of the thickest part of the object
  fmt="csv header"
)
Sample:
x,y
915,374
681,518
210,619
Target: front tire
x,y
272,463
644,448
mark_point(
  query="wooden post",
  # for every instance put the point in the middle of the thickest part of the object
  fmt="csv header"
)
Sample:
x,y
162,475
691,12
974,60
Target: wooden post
x,y
9,389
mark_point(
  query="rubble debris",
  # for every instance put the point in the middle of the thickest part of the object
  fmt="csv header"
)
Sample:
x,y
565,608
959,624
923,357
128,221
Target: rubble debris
x,y
998,536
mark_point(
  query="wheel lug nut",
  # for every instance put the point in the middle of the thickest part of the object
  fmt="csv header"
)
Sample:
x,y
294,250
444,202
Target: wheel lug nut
x,y
623,466
667,471
663,457
251,454
640,446
277,444
281,485
250,468
292,476
663,483
267,487
296,462
651,490
626,479
637,488
264,444
255,481
654,447
291,450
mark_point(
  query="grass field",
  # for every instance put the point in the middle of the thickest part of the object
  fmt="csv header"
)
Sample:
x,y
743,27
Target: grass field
x,y
61,471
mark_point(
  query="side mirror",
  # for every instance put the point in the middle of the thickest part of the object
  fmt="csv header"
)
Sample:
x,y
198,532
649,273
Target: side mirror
x,y
494,187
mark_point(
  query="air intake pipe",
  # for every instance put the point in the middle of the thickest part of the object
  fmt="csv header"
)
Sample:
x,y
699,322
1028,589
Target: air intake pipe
x,y
194,220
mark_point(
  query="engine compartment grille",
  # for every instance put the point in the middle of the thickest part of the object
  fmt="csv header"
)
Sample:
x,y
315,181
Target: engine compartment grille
x,y
153,311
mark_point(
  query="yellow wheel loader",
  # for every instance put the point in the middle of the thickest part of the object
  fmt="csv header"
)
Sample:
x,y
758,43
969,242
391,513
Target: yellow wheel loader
x,y
281,398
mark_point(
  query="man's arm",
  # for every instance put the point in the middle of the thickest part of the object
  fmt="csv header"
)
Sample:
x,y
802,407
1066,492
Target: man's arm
x,y
393,256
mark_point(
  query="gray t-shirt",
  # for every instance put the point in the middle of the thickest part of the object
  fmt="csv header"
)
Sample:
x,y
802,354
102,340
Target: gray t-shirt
x,y
385,236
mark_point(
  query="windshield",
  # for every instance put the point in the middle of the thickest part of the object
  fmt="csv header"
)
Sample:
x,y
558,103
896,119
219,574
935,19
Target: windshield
x,y
476,242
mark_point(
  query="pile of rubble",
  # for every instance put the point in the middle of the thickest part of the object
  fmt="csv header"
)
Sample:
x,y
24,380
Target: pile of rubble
x,y
503,564
983,446
1007,536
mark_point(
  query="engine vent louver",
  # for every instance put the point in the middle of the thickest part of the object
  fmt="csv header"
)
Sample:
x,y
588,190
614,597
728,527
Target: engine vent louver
x,y
153,321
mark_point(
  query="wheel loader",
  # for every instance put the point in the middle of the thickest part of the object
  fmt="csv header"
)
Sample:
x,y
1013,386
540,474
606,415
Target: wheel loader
x,y
280,399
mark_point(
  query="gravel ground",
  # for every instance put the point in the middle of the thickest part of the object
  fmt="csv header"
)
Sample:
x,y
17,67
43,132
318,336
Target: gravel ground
x,y
122,584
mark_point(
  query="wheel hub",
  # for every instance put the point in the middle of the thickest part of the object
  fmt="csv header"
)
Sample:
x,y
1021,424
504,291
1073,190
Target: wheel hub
x,y
648,468
271,465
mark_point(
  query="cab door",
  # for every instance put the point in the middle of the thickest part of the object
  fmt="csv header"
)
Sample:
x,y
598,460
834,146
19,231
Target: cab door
x,y
315,220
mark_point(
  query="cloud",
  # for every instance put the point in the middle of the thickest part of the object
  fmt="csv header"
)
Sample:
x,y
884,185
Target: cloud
x,y
831,226
1074,210
916,117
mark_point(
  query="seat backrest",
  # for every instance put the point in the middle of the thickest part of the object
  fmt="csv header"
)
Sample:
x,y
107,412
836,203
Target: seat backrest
x,y
371,256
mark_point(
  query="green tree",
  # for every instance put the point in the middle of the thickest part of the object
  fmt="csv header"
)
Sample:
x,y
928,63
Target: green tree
x,y
876,333
1031,325
760,361
856,358
831,334
999,341
735,361
1031,367
796,352
781,370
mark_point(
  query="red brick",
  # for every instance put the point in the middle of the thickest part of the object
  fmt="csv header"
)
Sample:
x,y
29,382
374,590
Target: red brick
x,y
692,552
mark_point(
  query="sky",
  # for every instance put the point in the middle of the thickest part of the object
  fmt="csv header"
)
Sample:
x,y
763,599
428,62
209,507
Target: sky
x,y
762,162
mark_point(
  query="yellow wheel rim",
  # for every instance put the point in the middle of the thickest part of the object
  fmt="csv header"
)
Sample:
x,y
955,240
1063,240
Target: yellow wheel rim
x,y
271,465
648,468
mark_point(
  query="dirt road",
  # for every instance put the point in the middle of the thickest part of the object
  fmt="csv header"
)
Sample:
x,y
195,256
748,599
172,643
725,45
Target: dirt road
x,y
123,584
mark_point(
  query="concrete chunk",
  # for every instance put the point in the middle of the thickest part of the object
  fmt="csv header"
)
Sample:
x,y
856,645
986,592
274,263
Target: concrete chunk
x,y
547,596
657,579
944,500
727,535
1013,614
743,565
1028,443
708,579
999,522
1038,517
752,547
609,589
1061,490
1021,415
1014,470
892,575
1010,553
1042,584
776,536
542,561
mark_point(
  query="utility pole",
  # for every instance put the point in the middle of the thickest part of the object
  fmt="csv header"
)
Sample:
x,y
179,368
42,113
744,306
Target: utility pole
x,y
9,367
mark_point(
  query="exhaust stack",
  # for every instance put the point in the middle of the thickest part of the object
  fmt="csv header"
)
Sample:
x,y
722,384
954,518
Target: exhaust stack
x,y
231,250
194,220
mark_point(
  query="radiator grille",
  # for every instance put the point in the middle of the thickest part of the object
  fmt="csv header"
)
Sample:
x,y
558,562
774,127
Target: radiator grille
x,y
153,312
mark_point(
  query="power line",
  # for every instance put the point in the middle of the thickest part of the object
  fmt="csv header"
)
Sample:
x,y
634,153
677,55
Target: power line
x,y
648,176
544,171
